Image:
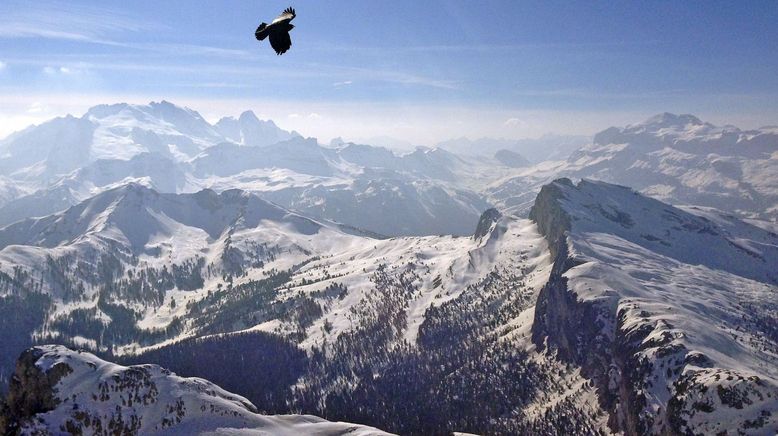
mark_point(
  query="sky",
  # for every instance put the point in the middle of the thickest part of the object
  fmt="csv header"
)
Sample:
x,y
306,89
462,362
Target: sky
x,y
421,71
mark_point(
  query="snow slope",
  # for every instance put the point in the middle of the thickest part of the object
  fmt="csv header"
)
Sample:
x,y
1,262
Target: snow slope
x,y
134,271
83,393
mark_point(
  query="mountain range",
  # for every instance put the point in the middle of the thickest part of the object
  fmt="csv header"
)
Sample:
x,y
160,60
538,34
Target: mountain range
x,y
59,163
606,309
674,158
429,292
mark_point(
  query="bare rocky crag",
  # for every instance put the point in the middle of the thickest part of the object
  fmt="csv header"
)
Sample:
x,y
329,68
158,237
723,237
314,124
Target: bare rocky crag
x,y
31,391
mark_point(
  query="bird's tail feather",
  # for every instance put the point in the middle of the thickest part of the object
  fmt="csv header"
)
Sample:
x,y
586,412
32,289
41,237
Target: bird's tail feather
x,y
261,34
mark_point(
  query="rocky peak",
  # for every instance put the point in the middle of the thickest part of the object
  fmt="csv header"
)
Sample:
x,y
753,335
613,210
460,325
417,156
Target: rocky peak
x,y
487,221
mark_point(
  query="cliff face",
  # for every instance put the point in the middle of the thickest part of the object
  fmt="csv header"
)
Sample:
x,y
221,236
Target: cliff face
x,y
573,329
648,329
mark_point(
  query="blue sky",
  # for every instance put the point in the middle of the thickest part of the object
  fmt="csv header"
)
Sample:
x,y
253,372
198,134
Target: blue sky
x,y
417,70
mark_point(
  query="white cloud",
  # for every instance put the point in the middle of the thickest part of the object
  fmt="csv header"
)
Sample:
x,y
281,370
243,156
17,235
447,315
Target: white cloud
x,y
388,76
343,83
37,108
314,116
3,65
514,122
64,71
293,116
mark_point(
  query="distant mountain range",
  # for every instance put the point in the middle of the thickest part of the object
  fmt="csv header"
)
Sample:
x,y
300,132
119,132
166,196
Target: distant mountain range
x,y
674,158
49,167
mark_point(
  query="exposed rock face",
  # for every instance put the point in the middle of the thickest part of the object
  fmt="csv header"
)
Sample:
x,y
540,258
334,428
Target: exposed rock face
x,y
31,390
644,357
552,221
488,219
570,327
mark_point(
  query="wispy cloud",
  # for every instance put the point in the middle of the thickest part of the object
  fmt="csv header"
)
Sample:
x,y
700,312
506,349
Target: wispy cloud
x,y
189,49
514,122
380,75
37,108
68,21
64,71
215,85
600,94
93,25
3,65
497,47
231,72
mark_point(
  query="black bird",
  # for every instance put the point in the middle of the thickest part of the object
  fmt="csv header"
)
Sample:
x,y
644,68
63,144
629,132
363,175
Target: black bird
x,y
278,31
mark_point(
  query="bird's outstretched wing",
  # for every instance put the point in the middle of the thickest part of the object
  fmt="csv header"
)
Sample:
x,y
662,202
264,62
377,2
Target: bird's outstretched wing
x,y
280,41
287,16
261,32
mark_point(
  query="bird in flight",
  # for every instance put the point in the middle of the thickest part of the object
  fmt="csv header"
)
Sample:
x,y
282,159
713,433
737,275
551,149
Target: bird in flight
x,y
278,31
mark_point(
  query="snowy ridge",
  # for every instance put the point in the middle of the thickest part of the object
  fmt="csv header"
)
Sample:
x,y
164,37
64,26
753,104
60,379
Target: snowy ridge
x,y
84,394
681,301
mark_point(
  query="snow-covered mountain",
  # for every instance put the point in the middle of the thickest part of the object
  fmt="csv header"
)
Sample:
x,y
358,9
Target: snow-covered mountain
x,y
607,311
39,155
60,391
148,251
249,130
674,158
49,167
671,312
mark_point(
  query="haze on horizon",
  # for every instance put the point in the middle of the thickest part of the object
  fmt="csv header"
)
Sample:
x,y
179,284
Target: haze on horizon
x,y
419,72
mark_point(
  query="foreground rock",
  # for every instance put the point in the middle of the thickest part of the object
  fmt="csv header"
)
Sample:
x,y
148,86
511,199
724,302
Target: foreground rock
x,y
56,390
